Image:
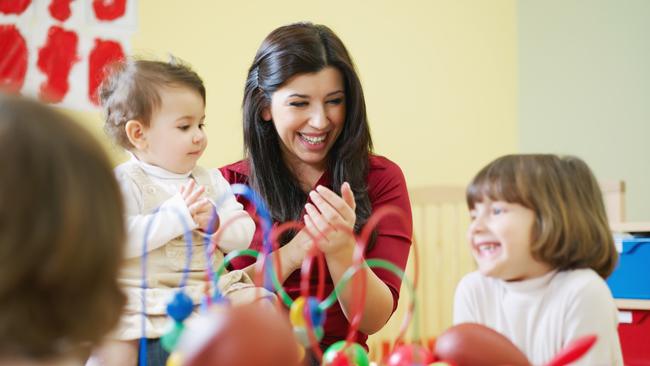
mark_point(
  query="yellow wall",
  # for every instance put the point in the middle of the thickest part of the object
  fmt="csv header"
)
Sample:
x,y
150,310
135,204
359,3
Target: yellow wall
x,y
439,76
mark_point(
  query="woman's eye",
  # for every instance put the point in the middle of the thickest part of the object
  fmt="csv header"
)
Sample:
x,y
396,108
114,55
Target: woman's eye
x,y
497,210
298,104
336,101
183,128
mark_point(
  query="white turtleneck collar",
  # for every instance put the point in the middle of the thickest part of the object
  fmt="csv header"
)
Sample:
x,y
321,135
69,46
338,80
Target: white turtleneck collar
x,y
530,285
156,171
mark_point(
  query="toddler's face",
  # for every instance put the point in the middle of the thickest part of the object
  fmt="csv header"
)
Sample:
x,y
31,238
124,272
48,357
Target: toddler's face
x,y
500,237
175,138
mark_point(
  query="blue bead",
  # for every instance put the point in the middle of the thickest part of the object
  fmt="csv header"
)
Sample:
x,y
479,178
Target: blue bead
x,y
180,307
317,315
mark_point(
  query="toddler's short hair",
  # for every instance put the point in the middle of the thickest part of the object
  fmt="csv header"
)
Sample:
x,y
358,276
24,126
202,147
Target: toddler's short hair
x,y
130,91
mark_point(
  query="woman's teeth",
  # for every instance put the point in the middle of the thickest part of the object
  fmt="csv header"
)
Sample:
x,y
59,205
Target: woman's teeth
x,y
313,139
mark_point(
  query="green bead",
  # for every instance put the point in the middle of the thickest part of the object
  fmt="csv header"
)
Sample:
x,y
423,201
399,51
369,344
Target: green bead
x,y
355,354
170,339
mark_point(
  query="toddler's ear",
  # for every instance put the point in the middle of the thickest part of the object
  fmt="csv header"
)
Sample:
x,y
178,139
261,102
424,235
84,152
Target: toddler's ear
x,y
135,133
266,114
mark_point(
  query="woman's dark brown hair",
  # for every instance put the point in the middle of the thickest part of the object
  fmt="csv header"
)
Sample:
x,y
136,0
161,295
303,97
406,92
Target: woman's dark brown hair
x,y
291,50
61,233
571,228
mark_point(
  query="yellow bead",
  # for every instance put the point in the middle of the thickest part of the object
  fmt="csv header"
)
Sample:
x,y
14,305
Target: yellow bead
x,y
301,352
296,314
174,359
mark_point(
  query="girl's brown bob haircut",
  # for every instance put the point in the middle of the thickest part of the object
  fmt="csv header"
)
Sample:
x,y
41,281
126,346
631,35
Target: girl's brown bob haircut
x,y
571,228
61,234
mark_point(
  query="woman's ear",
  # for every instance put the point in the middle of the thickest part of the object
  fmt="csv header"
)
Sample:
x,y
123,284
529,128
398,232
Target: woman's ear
x,y
135,132
266,114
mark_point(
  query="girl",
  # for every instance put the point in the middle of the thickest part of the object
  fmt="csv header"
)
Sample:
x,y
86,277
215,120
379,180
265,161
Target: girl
x,y
540,237
61,238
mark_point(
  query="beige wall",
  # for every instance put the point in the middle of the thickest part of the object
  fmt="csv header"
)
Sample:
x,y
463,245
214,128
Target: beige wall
x,y
439,76
584,85
440,85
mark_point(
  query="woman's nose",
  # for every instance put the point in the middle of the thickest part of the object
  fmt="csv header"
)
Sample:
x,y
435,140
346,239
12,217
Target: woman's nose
x,y
319,119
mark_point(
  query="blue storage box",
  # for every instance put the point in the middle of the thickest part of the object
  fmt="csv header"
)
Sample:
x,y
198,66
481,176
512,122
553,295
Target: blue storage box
x,y
631,278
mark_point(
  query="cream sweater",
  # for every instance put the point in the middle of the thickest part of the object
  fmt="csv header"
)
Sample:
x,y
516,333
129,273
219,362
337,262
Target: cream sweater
x,y
542,315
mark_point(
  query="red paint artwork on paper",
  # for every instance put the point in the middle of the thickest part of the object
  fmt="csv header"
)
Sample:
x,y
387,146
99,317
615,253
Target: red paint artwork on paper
x,y
13,58
104,53
60,9
108,10
55,59
14,6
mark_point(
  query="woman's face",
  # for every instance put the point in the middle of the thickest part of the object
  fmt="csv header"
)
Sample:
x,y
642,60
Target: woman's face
x,y
308,112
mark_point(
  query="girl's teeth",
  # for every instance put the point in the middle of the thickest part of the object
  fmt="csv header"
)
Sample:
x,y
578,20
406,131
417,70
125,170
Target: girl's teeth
x,y
487,247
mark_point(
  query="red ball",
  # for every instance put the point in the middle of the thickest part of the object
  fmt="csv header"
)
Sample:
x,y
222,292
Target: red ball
x,y
255,334
410,355
471,344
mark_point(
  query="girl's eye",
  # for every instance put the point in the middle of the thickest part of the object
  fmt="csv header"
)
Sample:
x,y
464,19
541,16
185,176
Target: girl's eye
x,y
298,104
336,101
183,128
497,210
201,125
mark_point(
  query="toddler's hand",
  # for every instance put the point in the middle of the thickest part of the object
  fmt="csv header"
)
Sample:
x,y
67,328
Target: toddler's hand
x,y
200,207
204,214
191,193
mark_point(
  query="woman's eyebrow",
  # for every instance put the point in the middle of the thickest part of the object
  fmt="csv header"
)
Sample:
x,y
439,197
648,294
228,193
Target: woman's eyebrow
x,y
335,92
298,95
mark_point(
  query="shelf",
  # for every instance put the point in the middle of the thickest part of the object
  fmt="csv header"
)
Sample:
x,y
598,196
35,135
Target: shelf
x,y
631,227
632,304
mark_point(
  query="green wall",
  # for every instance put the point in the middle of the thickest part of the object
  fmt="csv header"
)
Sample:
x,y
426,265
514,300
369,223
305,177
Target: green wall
x,y
584,87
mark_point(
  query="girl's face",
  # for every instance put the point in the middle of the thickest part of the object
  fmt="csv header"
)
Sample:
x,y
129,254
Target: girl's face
x,y
175,138
500,237
308,112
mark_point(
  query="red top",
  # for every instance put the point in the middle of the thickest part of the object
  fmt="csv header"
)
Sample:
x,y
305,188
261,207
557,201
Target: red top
x,y
386,186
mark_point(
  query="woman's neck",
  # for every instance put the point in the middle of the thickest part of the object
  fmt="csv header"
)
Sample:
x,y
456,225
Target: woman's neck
x,y
306,174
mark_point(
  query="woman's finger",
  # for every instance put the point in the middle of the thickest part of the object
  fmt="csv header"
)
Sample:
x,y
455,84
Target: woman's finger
x,y
311,227
317,219
344,208
331,215
348,195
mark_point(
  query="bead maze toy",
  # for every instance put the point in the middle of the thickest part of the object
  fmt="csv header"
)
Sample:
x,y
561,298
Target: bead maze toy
x,y
273,333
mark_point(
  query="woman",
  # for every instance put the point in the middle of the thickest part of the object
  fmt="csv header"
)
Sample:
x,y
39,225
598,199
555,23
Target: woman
x,y
308,154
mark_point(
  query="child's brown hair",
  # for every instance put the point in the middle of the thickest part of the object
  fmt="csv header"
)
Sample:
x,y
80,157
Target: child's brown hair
x,y
131,92
571,228
61,233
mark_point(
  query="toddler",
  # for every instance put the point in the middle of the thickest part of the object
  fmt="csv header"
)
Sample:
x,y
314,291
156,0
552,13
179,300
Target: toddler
x,y
156,111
